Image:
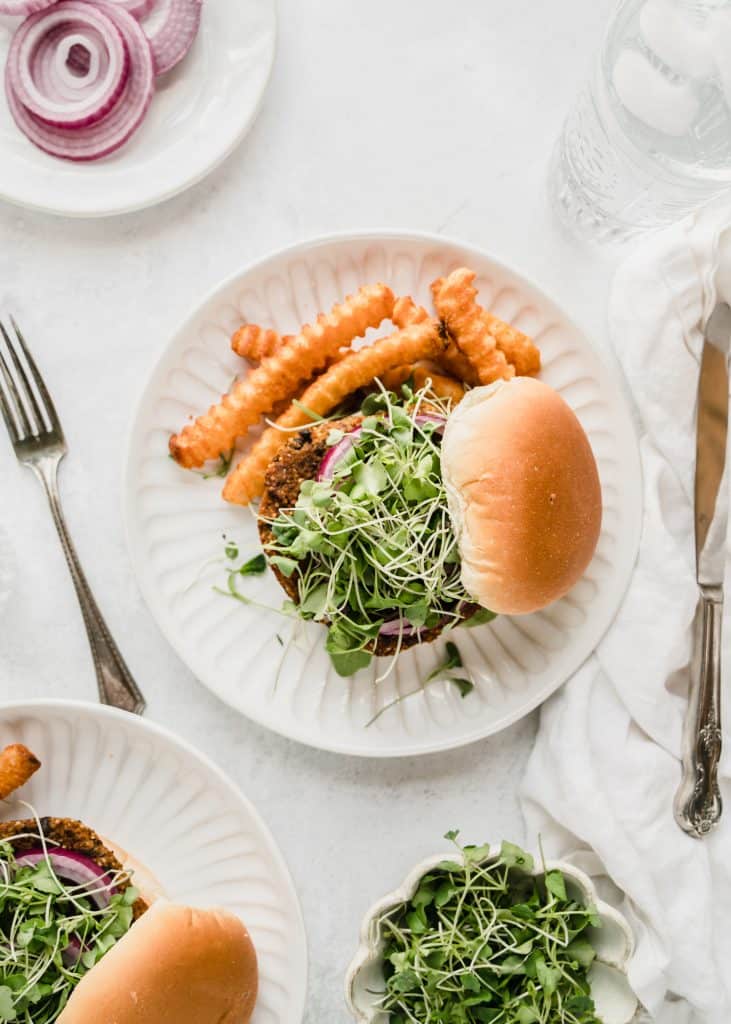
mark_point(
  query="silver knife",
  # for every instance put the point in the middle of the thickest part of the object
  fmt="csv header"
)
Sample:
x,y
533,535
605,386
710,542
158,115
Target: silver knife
x,y
698,803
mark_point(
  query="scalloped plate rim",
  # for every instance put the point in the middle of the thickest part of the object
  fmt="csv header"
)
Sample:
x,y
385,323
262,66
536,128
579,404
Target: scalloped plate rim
x,y
303,734
145,725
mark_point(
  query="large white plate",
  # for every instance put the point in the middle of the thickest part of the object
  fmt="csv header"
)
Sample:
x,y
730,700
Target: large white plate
x,y
179,815
175,519
202,110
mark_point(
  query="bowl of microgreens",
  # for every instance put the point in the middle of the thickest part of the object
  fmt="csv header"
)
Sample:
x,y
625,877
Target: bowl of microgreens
x,y
483,937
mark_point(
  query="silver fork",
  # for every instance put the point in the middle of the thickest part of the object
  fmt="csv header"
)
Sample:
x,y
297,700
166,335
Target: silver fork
x,y
39,444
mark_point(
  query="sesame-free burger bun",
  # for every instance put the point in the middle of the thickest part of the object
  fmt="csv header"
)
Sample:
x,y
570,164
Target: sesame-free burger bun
x,y
524,494
175,965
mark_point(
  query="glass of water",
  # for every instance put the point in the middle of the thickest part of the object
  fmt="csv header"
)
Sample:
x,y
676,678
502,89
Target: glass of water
x,y
650,137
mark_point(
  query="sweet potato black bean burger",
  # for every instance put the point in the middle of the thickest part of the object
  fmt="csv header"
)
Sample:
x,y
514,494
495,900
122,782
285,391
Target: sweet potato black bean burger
x,y
423,480
87,936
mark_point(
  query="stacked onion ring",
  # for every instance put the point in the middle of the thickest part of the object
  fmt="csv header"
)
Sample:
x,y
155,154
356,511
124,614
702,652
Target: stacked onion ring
x,y
80,75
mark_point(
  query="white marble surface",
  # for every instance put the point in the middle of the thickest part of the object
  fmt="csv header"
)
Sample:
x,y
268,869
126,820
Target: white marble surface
x,y
428,116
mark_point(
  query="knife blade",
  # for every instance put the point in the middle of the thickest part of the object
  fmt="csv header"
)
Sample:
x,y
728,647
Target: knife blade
x,y
698,804
711,496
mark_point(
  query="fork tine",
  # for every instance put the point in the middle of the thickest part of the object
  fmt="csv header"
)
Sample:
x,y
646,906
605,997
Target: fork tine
x,y
24,383
5,406
21,415
48,406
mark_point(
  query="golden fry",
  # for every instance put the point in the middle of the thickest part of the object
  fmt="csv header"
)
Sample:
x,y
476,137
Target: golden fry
x,y
393,379
456,364
455,302
406,312
420,341
278,377
519,349
440,385
258,343
17,764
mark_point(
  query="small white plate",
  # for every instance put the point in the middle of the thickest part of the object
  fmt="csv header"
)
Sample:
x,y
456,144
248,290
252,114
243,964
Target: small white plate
x,y
202,110
175,812
175,519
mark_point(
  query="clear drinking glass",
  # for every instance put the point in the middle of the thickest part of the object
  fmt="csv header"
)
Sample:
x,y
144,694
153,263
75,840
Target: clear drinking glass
x,y
650,137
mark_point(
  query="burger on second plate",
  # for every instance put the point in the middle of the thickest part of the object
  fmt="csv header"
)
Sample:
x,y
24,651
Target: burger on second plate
x,y
411,517
86,936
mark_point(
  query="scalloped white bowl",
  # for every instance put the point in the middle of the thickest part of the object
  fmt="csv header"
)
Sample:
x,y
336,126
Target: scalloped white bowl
x,y
614,943
175,519
178,815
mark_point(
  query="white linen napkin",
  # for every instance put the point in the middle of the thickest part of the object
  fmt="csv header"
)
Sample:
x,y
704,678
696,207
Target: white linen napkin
x,y
606,762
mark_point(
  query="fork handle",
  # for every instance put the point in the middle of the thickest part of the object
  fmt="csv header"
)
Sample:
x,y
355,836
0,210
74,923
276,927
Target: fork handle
x,y
698,804
116,685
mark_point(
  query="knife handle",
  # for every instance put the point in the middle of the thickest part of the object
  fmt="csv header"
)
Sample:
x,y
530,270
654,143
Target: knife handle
x,y
698,804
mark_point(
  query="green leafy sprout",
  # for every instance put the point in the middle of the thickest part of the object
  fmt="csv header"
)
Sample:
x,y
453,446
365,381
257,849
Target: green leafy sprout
x,y
41,918
375,543
487,942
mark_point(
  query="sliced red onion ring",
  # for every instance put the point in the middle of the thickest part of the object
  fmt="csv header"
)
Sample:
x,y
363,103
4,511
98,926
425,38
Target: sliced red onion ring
x,y
171,27
73,867
72,954
103,135
20,8
432,417
68,66
336,454
341,449
398,627
137,8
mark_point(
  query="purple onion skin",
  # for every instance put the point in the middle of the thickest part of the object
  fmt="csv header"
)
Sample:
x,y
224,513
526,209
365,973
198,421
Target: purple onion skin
x,y
22,8
106,136
172,32
73,868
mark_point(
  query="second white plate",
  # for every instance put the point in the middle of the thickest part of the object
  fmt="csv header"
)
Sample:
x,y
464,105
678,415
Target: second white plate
x,y
175,520
178,815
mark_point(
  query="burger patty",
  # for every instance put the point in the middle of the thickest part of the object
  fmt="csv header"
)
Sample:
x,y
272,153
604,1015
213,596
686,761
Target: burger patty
x,y
299,459
69,835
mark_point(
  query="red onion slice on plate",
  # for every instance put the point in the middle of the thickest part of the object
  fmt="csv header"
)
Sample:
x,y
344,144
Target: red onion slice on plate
x,y
336,453
341,449
171,26
21,8
101,136
137,8
68,66
398,627
75,868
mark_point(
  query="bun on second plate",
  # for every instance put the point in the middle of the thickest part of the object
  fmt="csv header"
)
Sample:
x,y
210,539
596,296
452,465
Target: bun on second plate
x,y
524,494
176,965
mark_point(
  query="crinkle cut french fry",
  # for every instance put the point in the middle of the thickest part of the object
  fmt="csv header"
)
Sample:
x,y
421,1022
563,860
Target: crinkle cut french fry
x,y
406,312
454,362
420,341
257,343
441,385
277,378
455,302
17,764
519,349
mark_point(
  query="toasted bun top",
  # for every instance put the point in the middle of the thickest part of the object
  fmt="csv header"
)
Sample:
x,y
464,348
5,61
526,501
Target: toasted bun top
x,y
174,966
524,494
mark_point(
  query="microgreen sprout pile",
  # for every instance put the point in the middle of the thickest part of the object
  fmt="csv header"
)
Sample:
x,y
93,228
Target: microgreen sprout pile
x,y
489,943
374,544
51,934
